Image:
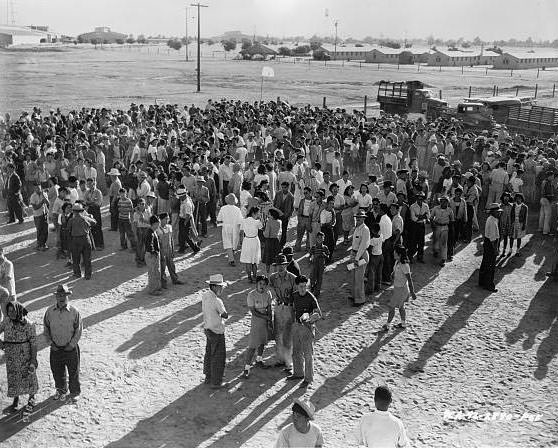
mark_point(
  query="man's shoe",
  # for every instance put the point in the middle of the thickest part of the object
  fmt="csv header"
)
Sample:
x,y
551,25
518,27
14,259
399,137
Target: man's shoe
x,y
304,385
61,396
178,282
261,365
245,373
155,293
294,378
77,275
10,222
73,398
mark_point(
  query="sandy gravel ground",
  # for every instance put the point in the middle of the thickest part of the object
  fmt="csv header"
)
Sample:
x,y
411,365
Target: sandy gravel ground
x,y
142,356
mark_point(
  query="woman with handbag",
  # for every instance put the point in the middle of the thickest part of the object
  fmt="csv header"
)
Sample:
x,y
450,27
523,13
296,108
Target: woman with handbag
x,y
261,325
20,348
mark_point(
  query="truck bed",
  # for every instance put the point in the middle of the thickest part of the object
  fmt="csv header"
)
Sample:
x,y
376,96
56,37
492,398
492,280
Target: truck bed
x,y
535,120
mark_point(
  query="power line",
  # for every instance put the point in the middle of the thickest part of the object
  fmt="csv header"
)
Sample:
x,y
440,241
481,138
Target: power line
x,y
199,5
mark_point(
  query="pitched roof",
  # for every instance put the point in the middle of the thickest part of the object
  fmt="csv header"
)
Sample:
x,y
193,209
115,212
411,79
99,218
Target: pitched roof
x,y
537,53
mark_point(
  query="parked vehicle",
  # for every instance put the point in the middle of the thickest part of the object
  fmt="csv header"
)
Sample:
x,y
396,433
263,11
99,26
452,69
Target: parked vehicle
x,y
533,120
409,97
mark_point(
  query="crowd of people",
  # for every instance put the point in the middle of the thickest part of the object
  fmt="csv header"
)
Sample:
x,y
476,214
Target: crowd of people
x,y
357,191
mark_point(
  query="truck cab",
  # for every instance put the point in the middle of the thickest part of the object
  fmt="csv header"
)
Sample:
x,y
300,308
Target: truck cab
x,y
474,115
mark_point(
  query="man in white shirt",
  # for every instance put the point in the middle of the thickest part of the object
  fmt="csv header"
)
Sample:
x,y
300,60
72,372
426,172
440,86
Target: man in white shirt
x,y
302,432
214,315
344,182
381,429
40,204
387,245
490,248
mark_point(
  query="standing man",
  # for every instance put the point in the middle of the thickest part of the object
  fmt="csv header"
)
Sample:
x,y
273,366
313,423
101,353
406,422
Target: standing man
x,y
442,215
79,230
63,327
153,257
166,244
381,428
284,201
40,204
420,214
214,315
94,201
360,258
490,249
282,284
114,195
225,176
306,311
13,195
141,223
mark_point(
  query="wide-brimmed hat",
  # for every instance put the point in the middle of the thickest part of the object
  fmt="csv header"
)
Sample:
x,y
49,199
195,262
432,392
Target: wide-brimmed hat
x,y
231,199
360,214
280,259
151,195
443,198
181,192
77,207
494,207
62,290
420,194
308,407
113,172
200,179
216,279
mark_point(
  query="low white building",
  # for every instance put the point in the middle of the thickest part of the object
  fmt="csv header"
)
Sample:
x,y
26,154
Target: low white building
x,y
520,59
20,35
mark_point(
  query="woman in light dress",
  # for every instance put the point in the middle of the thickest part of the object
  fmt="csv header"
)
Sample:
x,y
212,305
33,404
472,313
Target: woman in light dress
x,y
231,217
245,197
250,253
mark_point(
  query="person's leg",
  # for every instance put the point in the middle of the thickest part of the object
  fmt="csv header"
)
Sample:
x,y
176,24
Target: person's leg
x,y
254,270
76,249
207,357
444,243
140,246
284,230
402,314
122,232
542,214
436,241
130,234
153,272
174,223
391,315
203,219
72,363
298,359
87,259
11,200
248,357
308,353
547,217
218,360
319,279
58,368
300,229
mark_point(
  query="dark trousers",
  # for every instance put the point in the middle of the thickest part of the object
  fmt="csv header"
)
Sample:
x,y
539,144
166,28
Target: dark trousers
x,y
389,260
329,239
214,360
417,240
284,229
140,244
468,229
201,217
374,273
97,229
125,229
41,225
15,207
452,237
81,247
113,215
60,361
488,264
184,235
225,190
212,211
317,275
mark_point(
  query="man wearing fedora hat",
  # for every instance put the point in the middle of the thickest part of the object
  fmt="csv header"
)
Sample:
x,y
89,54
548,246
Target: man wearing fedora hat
x,y
62,329
214,315
490,248
201,199
302,432
114,189
283,286
81,242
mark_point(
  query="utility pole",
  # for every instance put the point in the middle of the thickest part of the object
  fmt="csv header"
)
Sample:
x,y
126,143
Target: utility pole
x,y
335,50
198,5
186,43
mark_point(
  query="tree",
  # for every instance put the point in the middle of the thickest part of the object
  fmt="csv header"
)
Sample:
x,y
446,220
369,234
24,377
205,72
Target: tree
x,y
246,43
477,42
141,39
120,41
284,51
321,55
229,45
315,44
302,49
130,40
94,42
80,40
175,43
390,44
359,45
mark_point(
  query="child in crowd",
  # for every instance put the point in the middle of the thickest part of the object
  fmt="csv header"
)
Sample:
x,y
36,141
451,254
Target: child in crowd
x,y
272,246
505,222
319,255
376,263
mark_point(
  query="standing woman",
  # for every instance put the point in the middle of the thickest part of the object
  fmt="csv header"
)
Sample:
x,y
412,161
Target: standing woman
x,y
21,354
347,214
259,304
505,222
402,287
250,253
519,214
272,246
231,217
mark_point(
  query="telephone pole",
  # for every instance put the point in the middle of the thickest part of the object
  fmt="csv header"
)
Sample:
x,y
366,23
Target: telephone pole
x,y
335,50
199,5
186,43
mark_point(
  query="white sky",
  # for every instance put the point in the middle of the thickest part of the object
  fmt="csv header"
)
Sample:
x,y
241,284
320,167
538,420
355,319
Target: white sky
x,y
489,19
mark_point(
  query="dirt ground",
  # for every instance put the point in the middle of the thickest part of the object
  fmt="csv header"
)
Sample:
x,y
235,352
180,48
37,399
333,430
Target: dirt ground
x,y
141,366
117,76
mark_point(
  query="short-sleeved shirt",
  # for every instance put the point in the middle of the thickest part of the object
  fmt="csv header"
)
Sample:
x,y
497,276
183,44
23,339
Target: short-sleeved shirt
x,y
304,304
283,286
212,308
400,271
381,429
290,437
259,301
35,199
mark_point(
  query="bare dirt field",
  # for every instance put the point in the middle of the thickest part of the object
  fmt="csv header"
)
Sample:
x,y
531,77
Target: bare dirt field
x,y
465,350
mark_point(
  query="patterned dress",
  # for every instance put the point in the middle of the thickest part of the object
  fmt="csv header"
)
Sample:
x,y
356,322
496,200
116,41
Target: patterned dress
x,y
18,338
506,220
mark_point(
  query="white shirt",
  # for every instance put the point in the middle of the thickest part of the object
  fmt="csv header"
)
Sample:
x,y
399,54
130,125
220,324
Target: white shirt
x,y
376,245
342,184
289,437
212,308
491,230
241,153
7,276
385,227
381,429
364,201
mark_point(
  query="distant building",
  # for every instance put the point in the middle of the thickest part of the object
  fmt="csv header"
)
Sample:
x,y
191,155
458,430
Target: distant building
x,y
102,34
518,59
257,49
460,58
346,52
386,55
21,35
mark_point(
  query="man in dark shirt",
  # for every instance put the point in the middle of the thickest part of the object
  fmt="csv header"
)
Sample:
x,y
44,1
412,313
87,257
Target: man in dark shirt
x,y
153,257
292,266
284,201
79,230
307,311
